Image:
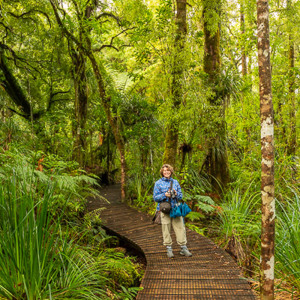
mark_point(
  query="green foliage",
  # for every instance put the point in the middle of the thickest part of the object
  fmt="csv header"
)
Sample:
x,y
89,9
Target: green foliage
x,y
194,182
140,189
196,228
212,15
72,184
204,203
287,238
121,269
138,80
90,234
37,262
194,216
40,259
239,214
128,293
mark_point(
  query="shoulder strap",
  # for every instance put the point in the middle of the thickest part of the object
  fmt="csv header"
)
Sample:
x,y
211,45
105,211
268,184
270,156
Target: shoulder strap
x,y
171,186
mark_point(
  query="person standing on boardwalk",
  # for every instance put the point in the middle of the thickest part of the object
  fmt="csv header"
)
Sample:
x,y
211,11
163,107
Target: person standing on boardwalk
x,y
162,192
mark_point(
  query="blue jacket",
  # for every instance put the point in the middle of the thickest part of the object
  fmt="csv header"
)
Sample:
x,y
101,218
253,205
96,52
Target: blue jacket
x,y
162,186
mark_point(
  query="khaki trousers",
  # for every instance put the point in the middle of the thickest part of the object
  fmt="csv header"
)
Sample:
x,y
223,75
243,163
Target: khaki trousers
x,y
179,229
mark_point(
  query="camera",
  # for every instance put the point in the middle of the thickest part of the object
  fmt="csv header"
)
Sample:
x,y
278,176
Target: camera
x,y
173,194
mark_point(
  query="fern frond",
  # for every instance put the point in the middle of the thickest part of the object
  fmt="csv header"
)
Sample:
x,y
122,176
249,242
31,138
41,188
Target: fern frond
x,y
194,216
204,199
205,207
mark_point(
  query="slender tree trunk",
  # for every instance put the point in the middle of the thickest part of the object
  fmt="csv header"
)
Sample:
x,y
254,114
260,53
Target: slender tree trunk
x,y
242,27
292,144
81,104
292,140
171,141
108,154
267,152
216,160
112,121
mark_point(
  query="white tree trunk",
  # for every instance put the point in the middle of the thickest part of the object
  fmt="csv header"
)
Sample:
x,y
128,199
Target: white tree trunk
x,y
267,153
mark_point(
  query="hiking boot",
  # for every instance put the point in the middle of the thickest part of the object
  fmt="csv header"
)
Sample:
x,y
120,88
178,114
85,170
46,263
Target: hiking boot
x,y
170,253
185,251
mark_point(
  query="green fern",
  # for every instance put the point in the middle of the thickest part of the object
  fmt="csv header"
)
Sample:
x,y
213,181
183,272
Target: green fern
x,y
194,216
121,269
196,228
205,203
128,293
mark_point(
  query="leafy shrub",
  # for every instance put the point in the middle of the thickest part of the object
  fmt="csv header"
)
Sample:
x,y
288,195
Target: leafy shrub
x,y
288,237
196,228
72,184
204,203
239,215
194,183
36,260
194,216
120,268
140,190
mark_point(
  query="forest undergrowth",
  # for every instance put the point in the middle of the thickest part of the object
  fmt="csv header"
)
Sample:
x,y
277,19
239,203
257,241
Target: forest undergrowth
x,y
51,248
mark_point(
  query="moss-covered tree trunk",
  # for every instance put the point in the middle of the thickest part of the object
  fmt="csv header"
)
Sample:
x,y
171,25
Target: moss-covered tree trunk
x,y
267,153
80,107
12,87
105,99
216,160
171,140
84,46
292,139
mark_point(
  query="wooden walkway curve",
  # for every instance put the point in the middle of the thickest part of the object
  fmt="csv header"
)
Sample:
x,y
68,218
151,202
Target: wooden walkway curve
x,y
209,274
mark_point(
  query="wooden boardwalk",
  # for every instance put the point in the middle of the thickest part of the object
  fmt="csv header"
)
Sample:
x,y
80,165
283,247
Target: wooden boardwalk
x,y
209,274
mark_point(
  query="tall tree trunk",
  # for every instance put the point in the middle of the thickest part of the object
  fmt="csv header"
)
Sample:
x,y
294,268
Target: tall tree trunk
x,y
292,139
242,28
105,99
267,153
81,104
171,141
244,64
216,160
85,47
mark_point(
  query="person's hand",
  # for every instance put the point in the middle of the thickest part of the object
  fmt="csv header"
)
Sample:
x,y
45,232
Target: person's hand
x,y
168,194
175,192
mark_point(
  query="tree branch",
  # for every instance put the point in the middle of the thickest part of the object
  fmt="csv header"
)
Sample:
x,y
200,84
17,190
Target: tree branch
x,y
52,95
105,46
30,12
78,14
60,92
64,29
13,88
106,14
6,30
15,57
18,113
112,40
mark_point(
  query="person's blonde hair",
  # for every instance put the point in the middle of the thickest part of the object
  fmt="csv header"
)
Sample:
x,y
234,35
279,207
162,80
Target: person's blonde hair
x,y
169,168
